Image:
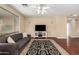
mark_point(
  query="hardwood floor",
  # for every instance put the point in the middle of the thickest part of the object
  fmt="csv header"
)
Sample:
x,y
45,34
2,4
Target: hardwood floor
x,y
72,46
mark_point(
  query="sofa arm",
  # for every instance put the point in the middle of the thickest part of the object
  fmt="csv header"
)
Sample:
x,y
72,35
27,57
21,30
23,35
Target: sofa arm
x,y
10,48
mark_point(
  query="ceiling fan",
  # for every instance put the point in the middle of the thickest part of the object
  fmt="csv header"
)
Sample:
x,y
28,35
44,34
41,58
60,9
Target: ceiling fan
x,y
40,8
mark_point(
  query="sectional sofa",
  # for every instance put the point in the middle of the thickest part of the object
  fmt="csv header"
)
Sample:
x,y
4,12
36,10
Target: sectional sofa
x,y
13,48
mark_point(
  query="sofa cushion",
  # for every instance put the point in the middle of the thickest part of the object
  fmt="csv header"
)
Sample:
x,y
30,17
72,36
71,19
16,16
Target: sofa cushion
x,y
10,40
26,38
17,37
21,43
3,39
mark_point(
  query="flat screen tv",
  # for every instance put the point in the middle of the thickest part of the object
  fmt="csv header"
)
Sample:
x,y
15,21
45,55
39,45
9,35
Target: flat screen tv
x,y
40,27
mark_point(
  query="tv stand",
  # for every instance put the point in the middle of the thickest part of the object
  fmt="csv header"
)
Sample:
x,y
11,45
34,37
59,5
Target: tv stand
x,y
40,34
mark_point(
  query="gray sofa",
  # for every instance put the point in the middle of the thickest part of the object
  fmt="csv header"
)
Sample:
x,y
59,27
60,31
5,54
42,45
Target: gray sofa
x,y
13,48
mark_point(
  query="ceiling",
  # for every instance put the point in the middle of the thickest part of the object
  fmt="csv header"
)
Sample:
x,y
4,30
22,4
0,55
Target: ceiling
x,y
54,10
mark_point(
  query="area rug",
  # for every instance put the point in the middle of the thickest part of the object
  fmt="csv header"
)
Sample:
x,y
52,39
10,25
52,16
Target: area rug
x,y
42,47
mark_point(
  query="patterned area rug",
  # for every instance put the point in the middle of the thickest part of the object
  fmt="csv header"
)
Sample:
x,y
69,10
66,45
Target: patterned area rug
x,y
42,47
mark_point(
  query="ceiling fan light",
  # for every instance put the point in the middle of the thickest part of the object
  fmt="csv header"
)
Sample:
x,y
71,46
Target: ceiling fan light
x,y
74,15
46,7
38,11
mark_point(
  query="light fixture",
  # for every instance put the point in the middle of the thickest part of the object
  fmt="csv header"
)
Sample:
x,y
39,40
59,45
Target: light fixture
x,y
74,15
40,8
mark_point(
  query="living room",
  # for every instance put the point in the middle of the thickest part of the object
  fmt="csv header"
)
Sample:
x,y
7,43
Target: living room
x,y
20,21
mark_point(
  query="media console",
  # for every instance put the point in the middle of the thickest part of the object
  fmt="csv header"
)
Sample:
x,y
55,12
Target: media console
x,y
40,34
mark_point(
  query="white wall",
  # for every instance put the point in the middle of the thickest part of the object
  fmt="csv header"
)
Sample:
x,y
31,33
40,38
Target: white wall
x,y
56,26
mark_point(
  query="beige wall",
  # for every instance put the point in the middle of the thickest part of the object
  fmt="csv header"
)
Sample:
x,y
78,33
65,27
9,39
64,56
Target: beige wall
x,y
61,27
74,32
56,26
7,20
20,17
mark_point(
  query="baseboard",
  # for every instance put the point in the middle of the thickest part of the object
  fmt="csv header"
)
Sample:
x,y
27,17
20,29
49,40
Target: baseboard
x,y
74,37
62,38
